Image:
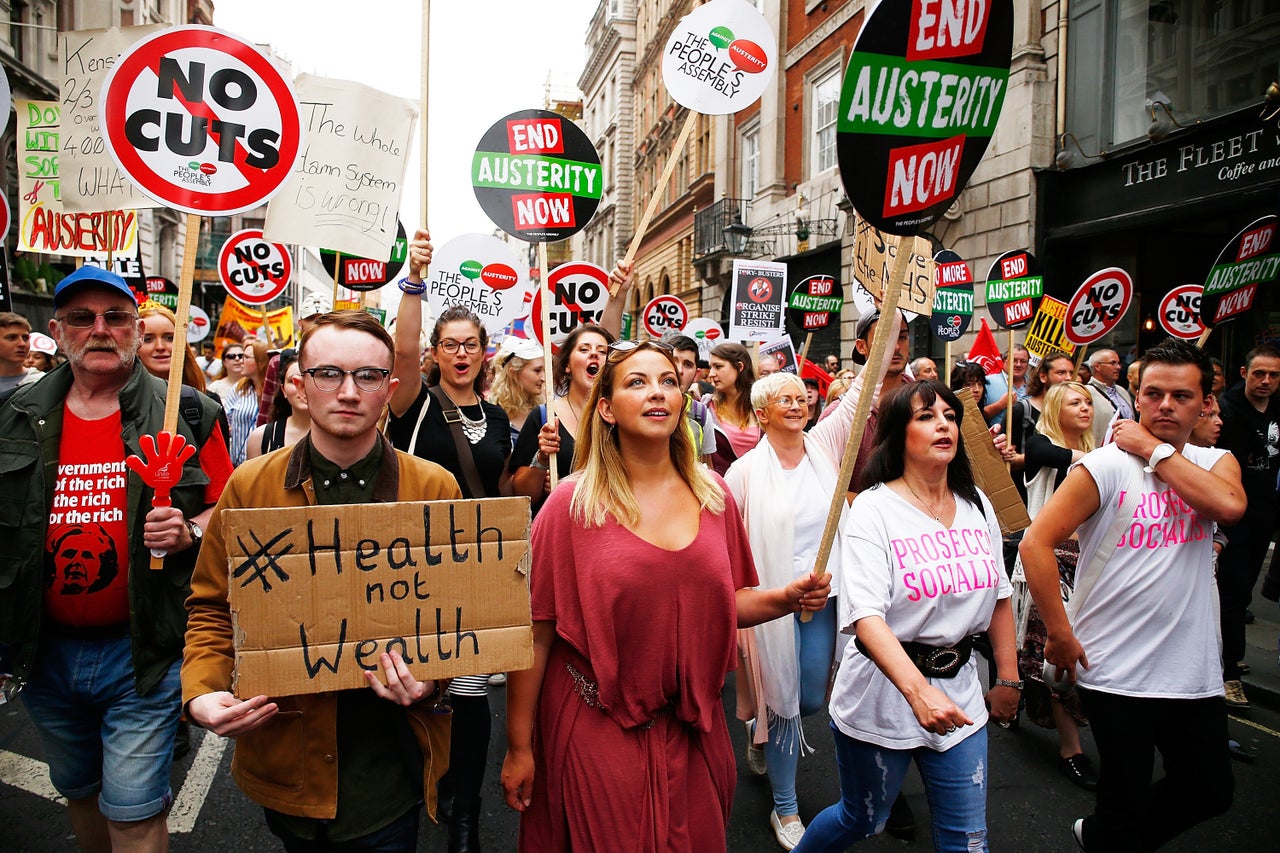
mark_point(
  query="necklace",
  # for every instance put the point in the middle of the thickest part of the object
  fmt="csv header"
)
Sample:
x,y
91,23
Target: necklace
x,y
936,516
474,430
577,413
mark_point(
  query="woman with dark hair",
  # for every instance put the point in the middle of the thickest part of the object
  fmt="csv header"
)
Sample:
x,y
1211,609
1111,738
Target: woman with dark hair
x,y
969,375
923,573
573,372
617,735
443,418
290,420
732,374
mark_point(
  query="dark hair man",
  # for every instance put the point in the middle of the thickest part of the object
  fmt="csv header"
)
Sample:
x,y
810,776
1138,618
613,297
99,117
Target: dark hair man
x,y
700,425
94,632
350,781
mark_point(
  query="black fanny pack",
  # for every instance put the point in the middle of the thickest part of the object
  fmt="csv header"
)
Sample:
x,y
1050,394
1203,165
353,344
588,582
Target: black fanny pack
x,y
934,661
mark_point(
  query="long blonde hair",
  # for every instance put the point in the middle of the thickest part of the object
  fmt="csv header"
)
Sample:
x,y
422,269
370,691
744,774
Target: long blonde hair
x,y
603,484
1050,423
506,390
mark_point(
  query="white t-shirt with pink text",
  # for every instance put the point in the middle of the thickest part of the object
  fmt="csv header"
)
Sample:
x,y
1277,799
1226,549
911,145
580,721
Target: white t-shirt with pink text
x,y
1149,624
932,585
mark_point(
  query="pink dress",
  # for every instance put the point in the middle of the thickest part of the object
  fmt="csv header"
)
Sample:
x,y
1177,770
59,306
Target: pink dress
x,y
631,746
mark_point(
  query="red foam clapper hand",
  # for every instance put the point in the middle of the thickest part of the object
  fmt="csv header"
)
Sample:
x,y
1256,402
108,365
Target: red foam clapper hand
x,y
165,455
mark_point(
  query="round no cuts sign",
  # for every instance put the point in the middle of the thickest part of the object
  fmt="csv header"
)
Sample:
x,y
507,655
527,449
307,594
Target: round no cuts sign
x,y
481,273
952,296
580,292
253,269
1250,260
664,314
1099,305
720,57
1014,289
201,121
919,104
365,273
537,176
1179,312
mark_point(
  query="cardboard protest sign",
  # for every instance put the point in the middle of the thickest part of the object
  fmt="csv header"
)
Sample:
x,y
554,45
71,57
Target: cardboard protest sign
x,y
1179,312
201,120
481,273
253,269
783,353
356,273
318,593
665,313
345,192
1250,260
236,322
1014,289
815,302
919,103
720,57
873,258
758,301
93,178
579,293
952,309
43,225
1048,331
989,470
537,176
706,333
1099,305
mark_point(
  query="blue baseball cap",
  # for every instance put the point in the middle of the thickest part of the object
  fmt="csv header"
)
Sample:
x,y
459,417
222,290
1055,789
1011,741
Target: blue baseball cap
x,y
89,276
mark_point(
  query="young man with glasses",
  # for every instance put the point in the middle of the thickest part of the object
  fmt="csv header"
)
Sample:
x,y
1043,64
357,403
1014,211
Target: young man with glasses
x,y
94,633
353,784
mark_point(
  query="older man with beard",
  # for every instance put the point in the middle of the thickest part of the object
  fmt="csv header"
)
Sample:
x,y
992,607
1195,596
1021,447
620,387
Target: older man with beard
x,y
98,663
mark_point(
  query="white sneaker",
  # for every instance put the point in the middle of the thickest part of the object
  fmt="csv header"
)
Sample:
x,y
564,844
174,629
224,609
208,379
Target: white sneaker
x,y
755,753
1077,832
788,834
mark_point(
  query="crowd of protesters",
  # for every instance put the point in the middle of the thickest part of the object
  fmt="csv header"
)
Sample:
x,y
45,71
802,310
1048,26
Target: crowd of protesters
x,y
693,489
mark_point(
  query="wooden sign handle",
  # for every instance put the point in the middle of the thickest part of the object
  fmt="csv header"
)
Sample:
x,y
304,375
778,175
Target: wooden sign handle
x,y
173,396
872,372
337,274
658,189
422,117
804,353
548,385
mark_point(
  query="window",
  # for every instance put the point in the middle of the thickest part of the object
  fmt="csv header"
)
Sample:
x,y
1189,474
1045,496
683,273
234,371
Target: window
x,y
824,104
749,160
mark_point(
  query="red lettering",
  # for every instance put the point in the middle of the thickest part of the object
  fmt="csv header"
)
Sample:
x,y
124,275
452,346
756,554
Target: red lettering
x,y
945,28
535,136
1256,242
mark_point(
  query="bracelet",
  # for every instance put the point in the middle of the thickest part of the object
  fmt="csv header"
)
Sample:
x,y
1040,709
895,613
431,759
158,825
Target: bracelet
x,y
1004,682
539,464
410,288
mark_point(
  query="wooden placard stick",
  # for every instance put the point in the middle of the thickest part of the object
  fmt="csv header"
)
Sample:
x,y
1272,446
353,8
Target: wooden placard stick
x,y
872,371
174,395
804,351
337,274
422,117
1008,407
549,387
1204,337
658,190
945,375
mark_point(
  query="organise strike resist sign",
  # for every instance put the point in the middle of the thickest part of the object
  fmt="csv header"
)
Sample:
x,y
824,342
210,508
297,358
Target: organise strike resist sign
x,y
720,57
318,593
1099,305
758,299
254,270
537,176
919,104
1251,259
479,272
1014,289
953,297
201,121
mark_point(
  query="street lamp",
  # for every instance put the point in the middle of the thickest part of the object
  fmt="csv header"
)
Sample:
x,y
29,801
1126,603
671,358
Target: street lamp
x,y
736,235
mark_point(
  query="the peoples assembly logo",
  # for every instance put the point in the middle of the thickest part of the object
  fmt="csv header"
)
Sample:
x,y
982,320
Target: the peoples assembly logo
x,y
760,290
719,58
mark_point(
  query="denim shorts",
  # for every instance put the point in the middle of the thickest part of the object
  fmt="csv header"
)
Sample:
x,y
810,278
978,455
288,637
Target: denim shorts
x,y
99,736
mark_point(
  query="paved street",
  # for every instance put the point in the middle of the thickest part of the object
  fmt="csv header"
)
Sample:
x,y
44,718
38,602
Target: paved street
x,y
1030,806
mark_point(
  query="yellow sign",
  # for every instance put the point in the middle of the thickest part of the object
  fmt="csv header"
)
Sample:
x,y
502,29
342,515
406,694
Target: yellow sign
x,y
1048,331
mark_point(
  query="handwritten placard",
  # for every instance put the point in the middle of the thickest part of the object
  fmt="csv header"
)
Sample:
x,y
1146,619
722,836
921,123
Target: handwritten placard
x,y
873,256
345,190
318,593
93,180
44,224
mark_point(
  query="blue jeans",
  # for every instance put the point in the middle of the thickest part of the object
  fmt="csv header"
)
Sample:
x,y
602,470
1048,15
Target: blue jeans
x,y
815,647
955,782
99,736
399,836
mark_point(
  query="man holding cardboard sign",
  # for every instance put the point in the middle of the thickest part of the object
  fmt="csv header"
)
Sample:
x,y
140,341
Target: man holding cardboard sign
x,y
336,766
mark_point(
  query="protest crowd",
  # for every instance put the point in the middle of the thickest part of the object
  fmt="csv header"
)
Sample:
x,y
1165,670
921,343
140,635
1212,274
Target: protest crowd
x,y
679,489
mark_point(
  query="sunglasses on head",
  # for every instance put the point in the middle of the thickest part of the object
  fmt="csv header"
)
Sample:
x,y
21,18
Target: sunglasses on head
x,y
628,346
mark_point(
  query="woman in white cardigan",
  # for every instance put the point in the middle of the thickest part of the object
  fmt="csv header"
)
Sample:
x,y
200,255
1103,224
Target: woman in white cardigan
x,y
783,487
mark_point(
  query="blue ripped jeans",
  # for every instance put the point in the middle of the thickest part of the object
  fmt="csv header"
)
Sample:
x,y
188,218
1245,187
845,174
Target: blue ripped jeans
x,y
955,782
815,648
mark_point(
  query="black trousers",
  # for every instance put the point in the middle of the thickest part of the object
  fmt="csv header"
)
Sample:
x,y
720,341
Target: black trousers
x,y
1133,813
1238,568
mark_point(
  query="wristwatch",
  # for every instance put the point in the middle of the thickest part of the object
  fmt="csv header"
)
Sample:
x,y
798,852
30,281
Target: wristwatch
x,y
196,531
1005,682
1161,453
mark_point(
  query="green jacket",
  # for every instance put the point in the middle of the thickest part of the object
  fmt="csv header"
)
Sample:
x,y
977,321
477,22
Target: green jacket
x,y
30,430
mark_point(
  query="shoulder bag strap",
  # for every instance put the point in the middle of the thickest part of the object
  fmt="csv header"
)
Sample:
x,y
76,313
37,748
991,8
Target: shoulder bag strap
x,y
466,462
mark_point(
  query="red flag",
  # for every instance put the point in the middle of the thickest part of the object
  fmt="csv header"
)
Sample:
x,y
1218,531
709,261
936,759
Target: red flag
x,y
985,351
809,370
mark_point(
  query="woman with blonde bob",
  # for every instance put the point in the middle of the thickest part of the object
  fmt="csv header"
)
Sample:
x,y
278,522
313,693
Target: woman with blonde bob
x,y
517,380
618,730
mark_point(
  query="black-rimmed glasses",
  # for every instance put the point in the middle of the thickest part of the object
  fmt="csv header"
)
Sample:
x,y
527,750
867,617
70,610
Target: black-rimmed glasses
x,y
451,347
330,379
